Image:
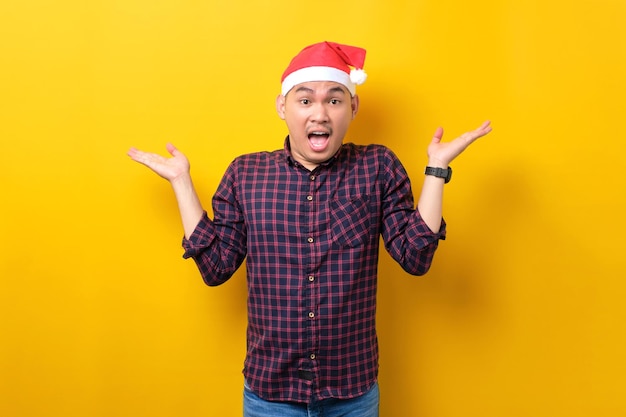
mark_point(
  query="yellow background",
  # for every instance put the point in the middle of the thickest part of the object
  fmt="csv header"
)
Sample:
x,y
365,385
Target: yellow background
x,y
522,313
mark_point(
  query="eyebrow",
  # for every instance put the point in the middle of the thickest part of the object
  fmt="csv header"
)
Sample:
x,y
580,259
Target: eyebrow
x,y
332,90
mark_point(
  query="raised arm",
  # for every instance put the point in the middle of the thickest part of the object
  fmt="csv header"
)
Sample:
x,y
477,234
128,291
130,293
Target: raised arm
x,y
176,170
440,155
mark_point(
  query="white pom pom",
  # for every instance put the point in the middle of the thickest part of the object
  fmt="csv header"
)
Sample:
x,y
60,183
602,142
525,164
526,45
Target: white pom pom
x,y
358,76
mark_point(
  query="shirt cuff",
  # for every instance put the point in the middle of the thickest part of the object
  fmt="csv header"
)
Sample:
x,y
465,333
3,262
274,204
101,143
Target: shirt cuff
x,y
421,235
202,236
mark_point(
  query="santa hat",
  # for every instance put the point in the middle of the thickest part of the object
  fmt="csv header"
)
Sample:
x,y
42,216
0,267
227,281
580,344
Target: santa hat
x,y
326,61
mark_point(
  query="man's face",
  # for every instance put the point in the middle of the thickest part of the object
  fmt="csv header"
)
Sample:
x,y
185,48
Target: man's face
x,y
317,114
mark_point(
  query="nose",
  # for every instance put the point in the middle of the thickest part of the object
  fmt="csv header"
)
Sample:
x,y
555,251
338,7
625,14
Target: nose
x,y
319,113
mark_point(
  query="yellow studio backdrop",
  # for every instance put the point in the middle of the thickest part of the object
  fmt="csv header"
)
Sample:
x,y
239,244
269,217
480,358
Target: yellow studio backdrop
x,y
522,313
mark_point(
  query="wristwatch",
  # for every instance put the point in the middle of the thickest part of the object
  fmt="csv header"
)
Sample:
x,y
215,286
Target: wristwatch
x,y
446,174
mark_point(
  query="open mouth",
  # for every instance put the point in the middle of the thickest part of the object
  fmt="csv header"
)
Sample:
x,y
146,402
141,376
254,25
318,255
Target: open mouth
x,y
318,140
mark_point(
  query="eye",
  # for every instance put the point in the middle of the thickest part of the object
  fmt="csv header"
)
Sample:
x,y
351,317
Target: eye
x,y
304,101
335,101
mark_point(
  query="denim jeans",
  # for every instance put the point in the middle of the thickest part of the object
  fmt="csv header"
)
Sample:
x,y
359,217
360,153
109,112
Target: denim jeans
x,y
364,406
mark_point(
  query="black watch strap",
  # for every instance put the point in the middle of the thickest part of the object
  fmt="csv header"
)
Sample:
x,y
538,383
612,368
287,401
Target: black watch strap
x,y
446,173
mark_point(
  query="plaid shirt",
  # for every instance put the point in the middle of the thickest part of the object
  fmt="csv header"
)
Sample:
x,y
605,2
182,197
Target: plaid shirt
x,y
312,239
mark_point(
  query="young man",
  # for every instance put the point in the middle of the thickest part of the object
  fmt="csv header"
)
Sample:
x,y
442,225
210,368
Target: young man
x,y
308,219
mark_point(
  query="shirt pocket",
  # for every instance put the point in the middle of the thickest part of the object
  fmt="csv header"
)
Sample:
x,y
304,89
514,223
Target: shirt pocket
x,y
350,221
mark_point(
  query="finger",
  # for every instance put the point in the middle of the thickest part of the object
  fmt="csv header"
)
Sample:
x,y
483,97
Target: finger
x,y
470,137
484,128
135,154
150,160
132,151
438,135
171,149
485,124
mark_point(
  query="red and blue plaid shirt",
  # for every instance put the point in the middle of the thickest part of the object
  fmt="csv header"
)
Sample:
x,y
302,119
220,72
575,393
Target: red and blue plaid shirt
x,y
312,239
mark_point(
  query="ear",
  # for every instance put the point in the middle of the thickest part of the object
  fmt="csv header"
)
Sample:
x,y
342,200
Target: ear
x,y
280,106
355,105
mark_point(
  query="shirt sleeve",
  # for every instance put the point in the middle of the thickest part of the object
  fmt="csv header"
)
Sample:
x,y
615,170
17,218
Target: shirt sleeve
x,y
218,246
408,239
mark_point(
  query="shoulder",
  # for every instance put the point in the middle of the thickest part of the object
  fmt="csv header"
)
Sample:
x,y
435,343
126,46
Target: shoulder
x,y
257,160
373,153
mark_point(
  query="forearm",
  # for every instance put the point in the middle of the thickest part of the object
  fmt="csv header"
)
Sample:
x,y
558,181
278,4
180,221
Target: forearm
x,y
430,203
189,205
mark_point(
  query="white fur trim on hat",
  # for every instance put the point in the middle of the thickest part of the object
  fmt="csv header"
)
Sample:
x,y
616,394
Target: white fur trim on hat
x,y
358,76
318,74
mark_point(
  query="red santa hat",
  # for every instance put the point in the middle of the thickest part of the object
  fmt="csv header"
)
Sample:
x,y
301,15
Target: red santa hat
x,y
326,61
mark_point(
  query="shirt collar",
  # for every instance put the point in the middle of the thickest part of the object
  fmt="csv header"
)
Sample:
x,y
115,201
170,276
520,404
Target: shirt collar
x,y
293,162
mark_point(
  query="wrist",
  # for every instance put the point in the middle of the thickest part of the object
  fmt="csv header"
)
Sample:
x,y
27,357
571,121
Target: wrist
x,y
436,163
181,182
439,172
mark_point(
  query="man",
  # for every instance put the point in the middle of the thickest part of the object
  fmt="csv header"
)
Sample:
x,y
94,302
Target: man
x,y
308,219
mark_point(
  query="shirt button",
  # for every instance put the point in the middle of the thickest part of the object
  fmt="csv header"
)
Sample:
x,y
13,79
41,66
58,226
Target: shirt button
x,y
309,197
312,177
312,356
310,240
311,314
311,278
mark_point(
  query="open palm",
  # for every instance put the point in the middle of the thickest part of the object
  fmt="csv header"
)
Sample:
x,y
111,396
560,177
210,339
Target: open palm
x,y
442,153
168,168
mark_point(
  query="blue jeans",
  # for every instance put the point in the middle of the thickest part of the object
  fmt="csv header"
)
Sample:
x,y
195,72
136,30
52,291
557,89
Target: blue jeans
x,y
364,406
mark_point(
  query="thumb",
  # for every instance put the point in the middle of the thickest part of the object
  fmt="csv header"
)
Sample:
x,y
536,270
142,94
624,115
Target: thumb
x,y
172,149
438,135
